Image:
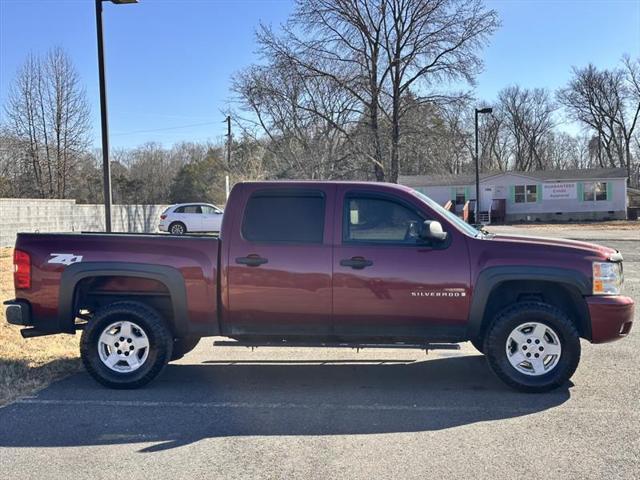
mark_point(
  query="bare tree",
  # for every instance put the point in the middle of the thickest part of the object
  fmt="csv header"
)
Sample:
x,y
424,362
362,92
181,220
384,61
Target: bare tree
x,y
339,41
428,43
495,141
307,120
381,51
607,102
529,119
48,115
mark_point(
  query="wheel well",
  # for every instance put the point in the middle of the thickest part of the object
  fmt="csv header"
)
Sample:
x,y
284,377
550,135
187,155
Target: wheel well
x,y
561,295
178,221
92,293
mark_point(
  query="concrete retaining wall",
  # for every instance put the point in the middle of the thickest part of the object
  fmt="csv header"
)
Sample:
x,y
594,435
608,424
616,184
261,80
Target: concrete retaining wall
x,y
34,215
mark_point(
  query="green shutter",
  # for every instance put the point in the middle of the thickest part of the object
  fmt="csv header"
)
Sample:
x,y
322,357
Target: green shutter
x,y
467,197
512,193
580,187
539,193
609,190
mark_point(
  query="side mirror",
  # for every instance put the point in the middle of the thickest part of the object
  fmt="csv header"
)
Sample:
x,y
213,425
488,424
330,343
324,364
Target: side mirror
x,y
432,230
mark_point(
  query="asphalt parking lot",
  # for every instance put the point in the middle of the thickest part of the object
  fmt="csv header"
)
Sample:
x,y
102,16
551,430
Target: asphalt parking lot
x,y
316,413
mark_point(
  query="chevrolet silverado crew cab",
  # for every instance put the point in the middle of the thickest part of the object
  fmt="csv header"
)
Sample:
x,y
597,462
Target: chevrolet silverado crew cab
x,y
323,264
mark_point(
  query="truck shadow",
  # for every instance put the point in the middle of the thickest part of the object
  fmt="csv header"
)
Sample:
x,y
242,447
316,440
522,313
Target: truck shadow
x,y
194,402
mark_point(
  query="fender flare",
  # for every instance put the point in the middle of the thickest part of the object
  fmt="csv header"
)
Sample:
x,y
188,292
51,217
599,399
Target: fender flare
x,y
168,276
490,278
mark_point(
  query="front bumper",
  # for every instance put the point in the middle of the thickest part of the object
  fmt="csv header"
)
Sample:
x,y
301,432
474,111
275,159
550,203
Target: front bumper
x,y
18,313
611,317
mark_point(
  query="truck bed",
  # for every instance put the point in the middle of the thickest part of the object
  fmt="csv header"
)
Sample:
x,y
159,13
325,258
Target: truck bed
x,y
191,260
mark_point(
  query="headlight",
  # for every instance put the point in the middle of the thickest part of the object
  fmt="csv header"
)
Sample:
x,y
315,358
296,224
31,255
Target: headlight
x,y
607,278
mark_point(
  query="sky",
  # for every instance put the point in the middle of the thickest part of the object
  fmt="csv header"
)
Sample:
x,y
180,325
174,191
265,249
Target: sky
x,y
169,63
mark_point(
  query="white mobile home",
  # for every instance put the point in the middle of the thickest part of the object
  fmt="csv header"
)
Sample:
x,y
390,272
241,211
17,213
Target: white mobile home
x,y
550,195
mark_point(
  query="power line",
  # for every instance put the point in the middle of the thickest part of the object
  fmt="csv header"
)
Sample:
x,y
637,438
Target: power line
x,y
164,129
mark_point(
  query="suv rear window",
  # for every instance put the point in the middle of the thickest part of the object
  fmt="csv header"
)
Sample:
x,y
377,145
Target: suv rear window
x,y
289,216
189,209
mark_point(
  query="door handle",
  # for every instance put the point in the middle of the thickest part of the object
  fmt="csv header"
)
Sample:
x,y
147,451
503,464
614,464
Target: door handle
x,y
357,263
252,260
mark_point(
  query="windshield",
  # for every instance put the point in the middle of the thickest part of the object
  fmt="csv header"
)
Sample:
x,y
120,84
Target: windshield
x,y
451,217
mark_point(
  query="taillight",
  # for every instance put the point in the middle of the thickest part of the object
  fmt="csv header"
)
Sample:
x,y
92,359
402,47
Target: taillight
x,y
163,216
21,269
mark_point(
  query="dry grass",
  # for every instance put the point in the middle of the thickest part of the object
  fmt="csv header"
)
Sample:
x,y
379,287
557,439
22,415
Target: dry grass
x,y
29,365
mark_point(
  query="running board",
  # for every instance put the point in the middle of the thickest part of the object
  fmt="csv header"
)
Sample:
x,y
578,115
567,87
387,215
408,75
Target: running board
x,y
357,346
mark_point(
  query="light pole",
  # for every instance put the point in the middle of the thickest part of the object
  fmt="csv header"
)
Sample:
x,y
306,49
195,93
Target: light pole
x,y
106,168
477,214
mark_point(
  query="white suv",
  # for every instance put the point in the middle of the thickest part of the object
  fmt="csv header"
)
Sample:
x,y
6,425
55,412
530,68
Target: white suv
x,y
191,217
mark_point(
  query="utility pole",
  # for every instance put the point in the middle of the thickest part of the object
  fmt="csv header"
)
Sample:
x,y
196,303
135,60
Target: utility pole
x,y
226,180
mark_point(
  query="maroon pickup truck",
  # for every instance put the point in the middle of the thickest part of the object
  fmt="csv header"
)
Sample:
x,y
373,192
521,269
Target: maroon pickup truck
x,y
323,264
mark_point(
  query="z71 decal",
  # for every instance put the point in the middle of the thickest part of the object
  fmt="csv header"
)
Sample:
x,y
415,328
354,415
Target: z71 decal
x,y
65,258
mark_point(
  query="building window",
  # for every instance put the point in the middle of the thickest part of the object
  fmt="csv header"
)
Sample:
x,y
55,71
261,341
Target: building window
x,y
526,193
595,191
461,198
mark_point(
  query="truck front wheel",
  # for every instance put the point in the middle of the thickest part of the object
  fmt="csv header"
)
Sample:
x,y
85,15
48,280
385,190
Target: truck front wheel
x,y
125,345
533,347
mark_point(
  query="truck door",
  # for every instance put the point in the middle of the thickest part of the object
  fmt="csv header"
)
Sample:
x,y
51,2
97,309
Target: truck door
x,y
279,278
387,282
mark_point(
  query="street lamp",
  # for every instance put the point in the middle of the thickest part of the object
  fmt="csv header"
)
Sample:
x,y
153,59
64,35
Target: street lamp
x,y
477,214
106,168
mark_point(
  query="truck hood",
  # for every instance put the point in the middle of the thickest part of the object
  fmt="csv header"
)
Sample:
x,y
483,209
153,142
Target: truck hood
x,y
568,246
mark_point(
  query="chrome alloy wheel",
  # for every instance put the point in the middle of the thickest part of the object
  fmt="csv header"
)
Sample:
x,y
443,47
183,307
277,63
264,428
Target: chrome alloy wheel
x,y
123,347
533,348
177,229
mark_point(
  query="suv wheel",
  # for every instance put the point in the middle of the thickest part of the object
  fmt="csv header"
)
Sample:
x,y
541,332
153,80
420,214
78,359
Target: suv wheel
x,y
533,347
125,345
177,228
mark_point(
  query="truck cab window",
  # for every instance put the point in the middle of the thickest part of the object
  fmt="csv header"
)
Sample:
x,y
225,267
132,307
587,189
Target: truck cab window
x,y
370,219
284,217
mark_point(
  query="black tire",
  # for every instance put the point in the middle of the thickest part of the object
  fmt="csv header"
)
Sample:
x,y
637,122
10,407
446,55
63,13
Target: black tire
x,y
159,338
182,346
177,228
495,346
478,344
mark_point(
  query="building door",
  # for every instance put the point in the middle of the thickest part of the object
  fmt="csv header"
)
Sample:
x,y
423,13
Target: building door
x,y
486,197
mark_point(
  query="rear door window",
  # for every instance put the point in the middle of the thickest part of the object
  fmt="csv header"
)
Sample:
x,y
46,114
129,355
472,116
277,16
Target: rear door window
x,y
285,216
189,209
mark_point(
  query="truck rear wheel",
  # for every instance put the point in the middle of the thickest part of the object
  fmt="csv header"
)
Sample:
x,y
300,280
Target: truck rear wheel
x,y
533,347
182,346
125,345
